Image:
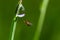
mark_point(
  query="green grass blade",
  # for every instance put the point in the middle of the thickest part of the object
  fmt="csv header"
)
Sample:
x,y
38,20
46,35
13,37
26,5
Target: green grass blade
x,y
13,28
41,19
14,22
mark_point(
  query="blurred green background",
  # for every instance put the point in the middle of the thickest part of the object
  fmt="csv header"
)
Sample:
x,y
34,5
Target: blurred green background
x,y
51,26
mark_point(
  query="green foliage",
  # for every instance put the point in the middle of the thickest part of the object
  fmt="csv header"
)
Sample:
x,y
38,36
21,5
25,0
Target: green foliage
x,y
50,28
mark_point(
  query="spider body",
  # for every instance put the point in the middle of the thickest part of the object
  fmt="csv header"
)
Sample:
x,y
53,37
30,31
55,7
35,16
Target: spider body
x,y
28,23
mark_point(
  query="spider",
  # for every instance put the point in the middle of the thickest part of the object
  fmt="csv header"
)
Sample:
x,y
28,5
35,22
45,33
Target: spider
x,y
28,23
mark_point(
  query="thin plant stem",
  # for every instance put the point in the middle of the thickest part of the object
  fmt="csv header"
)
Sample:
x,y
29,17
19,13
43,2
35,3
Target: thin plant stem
x,y
41,19
14,28
14,22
